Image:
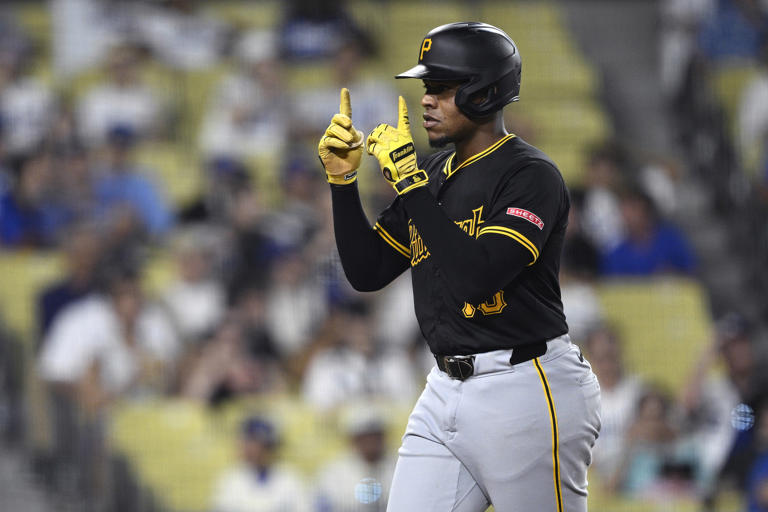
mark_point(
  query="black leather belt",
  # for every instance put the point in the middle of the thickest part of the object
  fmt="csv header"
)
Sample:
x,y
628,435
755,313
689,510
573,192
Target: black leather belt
x,y
463,367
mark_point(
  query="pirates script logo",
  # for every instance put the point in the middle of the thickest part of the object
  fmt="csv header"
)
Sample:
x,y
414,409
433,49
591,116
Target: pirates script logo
x,y
419,251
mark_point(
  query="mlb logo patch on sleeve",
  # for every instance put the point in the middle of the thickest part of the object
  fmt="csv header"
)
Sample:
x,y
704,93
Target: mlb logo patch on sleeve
x,y
525,214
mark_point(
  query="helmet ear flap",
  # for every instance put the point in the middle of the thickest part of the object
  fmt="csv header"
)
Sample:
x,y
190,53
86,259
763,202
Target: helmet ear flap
x,y
497,94
468,94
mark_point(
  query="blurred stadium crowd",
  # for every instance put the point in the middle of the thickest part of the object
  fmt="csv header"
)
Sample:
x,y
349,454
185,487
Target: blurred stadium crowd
x,y
157,162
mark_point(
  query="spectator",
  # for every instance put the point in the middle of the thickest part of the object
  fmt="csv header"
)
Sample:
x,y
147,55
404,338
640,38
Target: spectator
x,y
225,369
257,483
662,178
123,100
29,216
752,120
74,182
247,116
358,480
678,42
181,35
734,30
26,105
82,254
84,31
601,217
394,316
110,345
195,299
578,272
250,306
620,393
296,305
710,399
356,366
656,463
127,198
313,31
650,246
254,251
225,178
371,103
296,220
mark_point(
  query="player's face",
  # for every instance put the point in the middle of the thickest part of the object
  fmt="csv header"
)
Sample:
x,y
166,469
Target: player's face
x,y
443,120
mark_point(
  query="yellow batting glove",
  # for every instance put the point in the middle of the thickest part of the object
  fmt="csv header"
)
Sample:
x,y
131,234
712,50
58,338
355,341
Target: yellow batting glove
x,y
393,148
341,147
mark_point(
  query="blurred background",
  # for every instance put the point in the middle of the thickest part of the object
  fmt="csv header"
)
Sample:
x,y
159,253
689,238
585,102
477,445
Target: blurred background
x,y
176,334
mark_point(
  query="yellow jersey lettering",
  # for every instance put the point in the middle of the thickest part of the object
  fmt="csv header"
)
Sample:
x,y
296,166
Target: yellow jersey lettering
x,y
492,306
419,251
471,226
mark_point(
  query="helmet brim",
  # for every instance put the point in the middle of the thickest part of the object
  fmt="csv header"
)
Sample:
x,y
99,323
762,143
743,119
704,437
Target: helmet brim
x,y
430,73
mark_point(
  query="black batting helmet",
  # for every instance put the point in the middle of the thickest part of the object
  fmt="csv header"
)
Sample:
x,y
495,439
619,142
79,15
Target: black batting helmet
x,y
481,55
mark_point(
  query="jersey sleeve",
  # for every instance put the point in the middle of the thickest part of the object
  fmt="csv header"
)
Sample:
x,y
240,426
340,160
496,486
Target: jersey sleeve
x,y
392,227
527,207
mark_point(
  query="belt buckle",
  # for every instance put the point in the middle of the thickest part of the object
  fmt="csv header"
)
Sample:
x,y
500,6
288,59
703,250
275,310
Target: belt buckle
x,y
460,367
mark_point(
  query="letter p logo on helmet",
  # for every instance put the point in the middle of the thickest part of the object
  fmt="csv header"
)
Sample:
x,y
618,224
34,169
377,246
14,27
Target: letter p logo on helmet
x,y
426,45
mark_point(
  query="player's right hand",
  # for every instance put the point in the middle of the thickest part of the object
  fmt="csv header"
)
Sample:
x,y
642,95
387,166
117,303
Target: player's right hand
x,y
393,148
341,146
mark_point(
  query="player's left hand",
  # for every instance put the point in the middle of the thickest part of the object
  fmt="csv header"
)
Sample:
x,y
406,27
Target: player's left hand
x,y
393,148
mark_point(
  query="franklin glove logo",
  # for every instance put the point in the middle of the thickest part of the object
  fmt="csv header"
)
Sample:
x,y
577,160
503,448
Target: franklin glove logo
x,y
402,152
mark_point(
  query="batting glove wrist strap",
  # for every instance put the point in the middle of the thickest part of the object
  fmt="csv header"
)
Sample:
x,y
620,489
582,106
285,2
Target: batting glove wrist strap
x,y
415,180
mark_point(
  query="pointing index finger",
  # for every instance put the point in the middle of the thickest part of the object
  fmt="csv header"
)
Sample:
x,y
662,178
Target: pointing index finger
x,y
345,106
402,115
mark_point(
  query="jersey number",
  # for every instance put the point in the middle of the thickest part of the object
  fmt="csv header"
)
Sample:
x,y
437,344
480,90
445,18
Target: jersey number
x,y
492,306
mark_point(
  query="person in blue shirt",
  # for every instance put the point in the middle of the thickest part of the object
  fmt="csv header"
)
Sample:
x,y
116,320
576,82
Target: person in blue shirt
x,y
125,194
735,30
650,245
28,215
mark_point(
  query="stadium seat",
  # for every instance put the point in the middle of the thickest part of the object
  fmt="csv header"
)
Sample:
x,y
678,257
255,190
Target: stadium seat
x,y
24,275
664,323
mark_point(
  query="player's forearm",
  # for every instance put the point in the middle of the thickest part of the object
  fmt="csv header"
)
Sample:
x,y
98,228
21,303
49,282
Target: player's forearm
x,y
478,267
368,262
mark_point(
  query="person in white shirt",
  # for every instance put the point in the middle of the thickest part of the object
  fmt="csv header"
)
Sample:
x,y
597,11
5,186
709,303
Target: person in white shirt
x,y
257,483
246,117
182,34
296,302
359,480
195,299
620,393
110,346
26,105
313,107
123,100
357,366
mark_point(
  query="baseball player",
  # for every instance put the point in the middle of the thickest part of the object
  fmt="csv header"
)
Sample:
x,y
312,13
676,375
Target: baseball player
x,y
510,412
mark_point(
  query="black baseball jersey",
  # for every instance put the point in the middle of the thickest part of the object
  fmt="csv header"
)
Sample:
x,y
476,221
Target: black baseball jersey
x,y
512,190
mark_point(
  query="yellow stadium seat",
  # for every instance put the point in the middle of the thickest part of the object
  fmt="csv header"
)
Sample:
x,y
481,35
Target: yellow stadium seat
x,y
23,275
159,271
664,323
262,14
